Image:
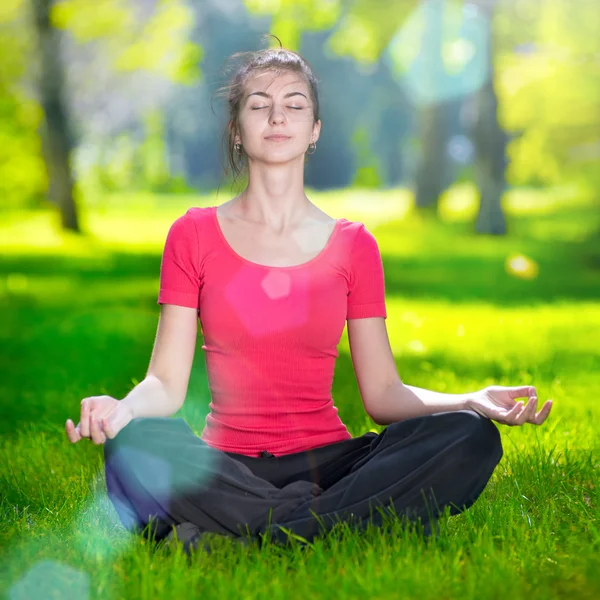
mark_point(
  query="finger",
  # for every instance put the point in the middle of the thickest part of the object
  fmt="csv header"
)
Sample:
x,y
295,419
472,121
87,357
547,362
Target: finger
x,y
98,436
84,423
68,430
524,416
511,417
543,414
531,410
101,432
108,431
534,409
72,432
96,432
522,391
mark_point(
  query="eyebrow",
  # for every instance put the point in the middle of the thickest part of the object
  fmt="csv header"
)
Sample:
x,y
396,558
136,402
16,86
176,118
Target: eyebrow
x,y
269,95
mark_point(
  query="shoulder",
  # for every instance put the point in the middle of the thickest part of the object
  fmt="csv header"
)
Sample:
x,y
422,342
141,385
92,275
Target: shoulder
x,y
196,214
191,220
186,232
358,234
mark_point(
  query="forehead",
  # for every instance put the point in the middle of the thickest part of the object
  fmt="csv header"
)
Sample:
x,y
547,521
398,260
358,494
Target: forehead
x,y
273,83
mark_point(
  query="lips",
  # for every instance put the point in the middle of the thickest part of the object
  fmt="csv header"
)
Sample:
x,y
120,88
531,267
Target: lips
x,y
277,137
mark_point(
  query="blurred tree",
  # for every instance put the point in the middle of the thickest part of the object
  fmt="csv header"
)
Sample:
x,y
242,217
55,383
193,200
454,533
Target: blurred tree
x,y
440,51
432,112
366,31
119,60
57,140
139,52
490,139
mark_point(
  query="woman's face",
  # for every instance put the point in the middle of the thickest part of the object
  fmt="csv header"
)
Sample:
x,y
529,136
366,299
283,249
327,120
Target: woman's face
x,y
276,105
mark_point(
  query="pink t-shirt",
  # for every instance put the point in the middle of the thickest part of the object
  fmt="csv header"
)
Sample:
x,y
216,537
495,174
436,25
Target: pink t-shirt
x,y
271,333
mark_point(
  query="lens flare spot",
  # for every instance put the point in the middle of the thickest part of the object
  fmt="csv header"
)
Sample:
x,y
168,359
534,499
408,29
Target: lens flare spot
x,y
51,579
461,149
521,266
416,346
276,284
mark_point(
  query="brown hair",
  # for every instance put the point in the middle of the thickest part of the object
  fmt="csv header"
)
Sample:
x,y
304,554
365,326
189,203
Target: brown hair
x,y
260,61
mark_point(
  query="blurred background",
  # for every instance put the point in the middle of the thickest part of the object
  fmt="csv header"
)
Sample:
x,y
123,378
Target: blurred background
x,y
464,134
105,102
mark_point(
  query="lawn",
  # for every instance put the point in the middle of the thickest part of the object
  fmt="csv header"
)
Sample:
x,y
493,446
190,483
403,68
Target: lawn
x,y
464,311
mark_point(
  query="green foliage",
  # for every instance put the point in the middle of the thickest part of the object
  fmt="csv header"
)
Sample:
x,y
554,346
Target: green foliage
x,y
23,177
292,17
157,45
367,27
548,96
362,28
120,164
550,91
155,170
367,174
10,10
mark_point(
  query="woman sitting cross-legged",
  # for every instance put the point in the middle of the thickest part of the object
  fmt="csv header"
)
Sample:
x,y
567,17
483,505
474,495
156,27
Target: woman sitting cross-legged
x,y
274,280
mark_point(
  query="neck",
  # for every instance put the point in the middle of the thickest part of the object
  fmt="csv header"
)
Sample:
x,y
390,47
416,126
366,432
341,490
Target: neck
x,y
274,197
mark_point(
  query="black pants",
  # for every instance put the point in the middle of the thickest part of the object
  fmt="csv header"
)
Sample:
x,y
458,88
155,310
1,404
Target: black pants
x,y
159,474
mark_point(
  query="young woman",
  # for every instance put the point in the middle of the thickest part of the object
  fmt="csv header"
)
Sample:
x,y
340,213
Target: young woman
x,y
273,280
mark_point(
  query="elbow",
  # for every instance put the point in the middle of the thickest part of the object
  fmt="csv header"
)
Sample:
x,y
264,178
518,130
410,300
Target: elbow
x,y
173,394
389,406
377,420
376,417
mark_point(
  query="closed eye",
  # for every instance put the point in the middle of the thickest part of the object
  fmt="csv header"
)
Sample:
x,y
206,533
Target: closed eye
x,y
261,107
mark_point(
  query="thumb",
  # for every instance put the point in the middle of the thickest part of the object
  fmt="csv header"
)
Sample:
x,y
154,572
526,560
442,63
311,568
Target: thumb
x,y
109,428
114,422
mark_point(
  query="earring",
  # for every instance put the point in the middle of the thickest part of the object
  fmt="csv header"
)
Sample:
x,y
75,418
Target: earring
x,y
312,146
238,148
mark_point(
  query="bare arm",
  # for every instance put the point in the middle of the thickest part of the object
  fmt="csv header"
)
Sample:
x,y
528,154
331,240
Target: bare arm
x,y
386,397
401,401
163,391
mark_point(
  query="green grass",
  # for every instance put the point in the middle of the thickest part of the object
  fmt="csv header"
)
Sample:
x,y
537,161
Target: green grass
x,y
79,318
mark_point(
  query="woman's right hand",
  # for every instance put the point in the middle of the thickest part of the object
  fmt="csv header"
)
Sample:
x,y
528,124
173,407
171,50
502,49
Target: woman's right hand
x,y
102,417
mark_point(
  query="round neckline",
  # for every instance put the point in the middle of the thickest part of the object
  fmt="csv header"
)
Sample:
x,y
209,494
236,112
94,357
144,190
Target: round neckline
x,y
330,241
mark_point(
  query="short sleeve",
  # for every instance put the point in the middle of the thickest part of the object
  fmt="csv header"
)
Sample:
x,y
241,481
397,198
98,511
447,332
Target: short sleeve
x,y
366,293
179,269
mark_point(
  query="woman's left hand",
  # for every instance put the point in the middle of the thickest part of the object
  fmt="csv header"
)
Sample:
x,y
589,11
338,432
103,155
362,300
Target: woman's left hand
x,y
498,403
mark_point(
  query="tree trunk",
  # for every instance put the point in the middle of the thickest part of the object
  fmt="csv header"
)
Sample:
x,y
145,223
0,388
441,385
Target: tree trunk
x,y
432,114
490,143
432,157
55,130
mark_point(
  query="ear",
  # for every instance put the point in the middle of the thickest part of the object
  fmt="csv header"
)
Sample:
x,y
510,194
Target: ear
x,y
236,139
316,131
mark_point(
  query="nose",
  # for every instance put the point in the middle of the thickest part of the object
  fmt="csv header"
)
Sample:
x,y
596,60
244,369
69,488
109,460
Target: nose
x,y
277,114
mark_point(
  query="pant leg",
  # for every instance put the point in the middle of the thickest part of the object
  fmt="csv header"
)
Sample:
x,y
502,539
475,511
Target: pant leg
x,y
417,467
157,470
